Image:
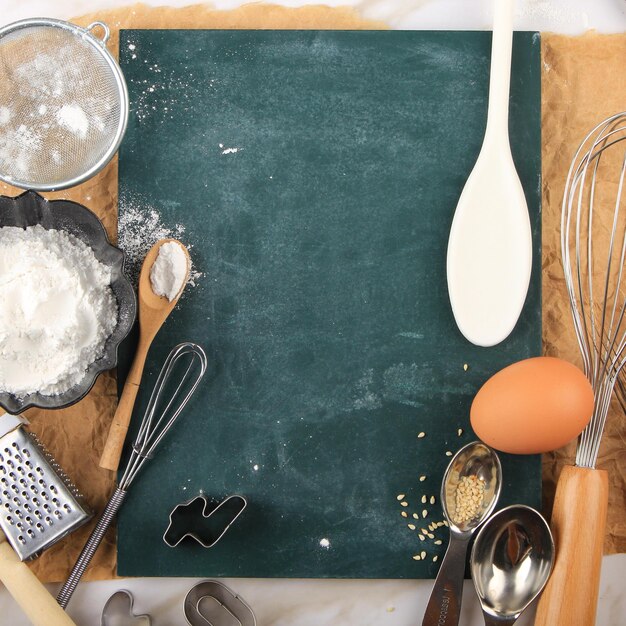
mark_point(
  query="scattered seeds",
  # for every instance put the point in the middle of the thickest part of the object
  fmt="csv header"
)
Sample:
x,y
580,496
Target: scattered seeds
x,y
421,537
422,478
459,432
448,453
465,367
438,542
430,535
424,532
423,499
423,554
404,514
424,513
431,527
416,516
411,526
421,435
400,497
417,557
435,558
432,499
404,503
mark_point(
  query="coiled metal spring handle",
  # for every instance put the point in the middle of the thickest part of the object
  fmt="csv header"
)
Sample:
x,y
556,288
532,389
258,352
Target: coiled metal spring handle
x,y
154,425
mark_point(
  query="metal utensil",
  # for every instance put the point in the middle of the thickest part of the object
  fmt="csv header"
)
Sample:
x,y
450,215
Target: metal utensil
x,y
490,246
63,103
202,520
118,611
593,206
211,602
156,422
40,505
473,460
511,561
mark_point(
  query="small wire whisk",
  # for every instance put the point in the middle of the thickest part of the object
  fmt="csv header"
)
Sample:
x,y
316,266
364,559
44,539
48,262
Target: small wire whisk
x,y
594,209
187,360
593,205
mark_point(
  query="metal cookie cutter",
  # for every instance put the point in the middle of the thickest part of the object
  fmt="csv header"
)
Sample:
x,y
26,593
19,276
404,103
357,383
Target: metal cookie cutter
x,y
118,611
202,520
211,603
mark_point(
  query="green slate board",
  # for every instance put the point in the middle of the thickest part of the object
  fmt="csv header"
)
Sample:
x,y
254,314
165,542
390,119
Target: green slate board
x,y
324,308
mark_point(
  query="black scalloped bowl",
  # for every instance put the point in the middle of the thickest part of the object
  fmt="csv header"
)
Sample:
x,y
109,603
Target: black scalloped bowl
x,y
30,209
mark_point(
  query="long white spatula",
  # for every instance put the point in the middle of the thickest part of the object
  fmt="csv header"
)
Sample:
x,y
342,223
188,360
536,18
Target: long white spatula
x,y
490,245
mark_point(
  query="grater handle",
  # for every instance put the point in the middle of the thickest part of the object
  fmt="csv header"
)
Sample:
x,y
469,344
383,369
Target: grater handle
x,y
95,539
38,605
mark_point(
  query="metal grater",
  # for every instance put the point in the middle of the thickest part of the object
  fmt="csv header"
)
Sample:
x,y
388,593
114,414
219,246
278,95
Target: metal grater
x,y
38,503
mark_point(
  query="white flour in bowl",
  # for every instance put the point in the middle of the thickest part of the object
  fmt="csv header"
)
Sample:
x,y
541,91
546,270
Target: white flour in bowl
x,y
56,311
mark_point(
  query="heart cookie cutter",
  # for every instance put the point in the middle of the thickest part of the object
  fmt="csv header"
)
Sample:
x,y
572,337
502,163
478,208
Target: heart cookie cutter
x,y
118,611
203,520
210,603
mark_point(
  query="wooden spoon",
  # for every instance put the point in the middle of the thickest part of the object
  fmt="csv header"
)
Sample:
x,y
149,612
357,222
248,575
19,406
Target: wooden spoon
x,y
153,311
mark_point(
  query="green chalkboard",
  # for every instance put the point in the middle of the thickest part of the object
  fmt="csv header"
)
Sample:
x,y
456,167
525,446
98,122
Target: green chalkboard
x,y
317,174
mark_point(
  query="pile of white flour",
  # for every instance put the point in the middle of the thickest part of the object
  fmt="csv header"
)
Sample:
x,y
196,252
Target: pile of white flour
x,y
57,310
169,271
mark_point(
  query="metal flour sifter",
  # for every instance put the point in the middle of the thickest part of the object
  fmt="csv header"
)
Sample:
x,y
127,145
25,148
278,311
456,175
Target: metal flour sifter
x,y
63,103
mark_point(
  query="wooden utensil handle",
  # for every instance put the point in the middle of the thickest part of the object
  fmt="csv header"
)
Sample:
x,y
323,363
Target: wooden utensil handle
x,y
38,605
578,522
112,452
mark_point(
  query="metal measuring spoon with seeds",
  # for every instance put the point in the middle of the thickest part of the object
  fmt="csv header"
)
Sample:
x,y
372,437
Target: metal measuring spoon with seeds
x,y
469,492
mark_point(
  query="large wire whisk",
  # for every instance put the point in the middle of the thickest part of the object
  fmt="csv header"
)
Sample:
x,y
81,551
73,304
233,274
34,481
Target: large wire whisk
x,y
189,358
592,204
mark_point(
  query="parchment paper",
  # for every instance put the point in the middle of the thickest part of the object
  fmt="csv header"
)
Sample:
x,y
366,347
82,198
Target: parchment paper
x,y
582,82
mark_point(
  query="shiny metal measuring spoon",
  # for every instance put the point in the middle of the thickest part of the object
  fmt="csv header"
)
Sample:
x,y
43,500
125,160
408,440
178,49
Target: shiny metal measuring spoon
x,y
474,459
511,561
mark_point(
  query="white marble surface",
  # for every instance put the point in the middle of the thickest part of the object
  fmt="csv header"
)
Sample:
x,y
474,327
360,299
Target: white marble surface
x,y
339,602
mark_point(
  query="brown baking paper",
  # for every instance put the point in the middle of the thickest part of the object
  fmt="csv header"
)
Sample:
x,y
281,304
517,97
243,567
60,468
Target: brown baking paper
x,y
582,82
76,435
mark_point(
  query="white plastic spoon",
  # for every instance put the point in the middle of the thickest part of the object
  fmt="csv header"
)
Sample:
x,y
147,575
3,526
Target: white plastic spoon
x,y
490,245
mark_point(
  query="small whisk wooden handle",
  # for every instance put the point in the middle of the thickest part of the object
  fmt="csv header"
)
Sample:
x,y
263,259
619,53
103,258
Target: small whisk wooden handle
x,y
578,523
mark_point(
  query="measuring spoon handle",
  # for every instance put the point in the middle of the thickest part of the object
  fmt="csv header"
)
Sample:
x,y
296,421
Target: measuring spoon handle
x,y
444,605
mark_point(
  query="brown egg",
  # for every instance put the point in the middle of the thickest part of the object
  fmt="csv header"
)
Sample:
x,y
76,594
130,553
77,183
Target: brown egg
x,y
532,406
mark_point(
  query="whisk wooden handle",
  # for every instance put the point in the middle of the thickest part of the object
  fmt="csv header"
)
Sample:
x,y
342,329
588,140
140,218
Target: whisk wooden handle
x,y
578,523
38,605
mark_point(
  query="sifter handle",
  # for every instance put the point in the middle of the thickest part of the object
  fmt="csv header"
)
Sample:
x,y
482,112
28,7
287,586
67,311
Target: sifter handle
x,y
38,605
578,522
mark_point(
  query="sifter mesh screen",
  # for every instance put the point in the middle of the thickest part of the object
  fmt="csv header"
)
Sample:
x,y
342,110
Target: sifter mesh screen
x,y
62,106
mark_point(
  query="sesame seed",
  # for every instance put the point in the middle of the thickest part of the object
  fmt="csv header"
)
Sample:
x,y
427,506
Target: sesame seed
x,y
421,537
404,503
416,516
459,432
422,478
425,532
435,558
417,557
465,367
421,435
432,499
423,499
423,554
400,497
445,522
430,536
411,526
448,453
424,513
404,514
438,542
431,527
